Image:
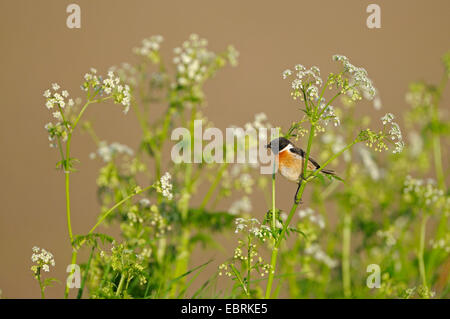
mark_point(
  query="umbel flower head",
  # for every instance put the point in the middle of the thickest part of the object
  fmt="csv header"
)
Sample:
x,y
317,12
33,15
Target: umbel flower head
x,y
165,186
308,87
150,48
426,194
42,259
352,80
108,151
61,106
59,103
391,133
252,227
195,63
111,86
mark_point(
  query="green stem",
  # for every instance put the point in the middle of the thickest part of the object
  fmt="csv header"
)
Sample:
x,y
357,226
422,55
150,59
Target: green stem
x,y
214,185
121,282
67,168
238,276
86,271
438,161
274,221
249,250
440,176
117,205
277,241
182,260
158,166
332,158
308,149
423,226
41,286
273,264
73,262
346,240
69,224
328,104
303,182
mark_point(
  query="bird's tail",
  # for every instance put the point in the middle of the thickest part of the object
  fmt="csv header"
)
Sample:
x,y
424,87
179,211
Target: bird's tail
x,y
331,173
328,172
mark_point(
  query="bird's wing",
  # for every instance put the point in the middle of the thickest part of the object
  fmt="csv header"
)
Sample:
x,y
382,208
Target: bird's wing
x,y
298,151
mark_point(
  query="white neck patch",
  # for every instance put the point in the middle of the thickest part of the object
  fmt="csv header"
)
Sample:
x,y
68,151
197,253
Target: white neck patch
x,y
287,147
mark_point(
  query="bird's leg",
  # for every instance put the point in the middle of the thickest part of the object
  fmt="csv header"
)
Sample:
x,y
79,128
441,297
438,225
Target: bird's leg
x,y
297,201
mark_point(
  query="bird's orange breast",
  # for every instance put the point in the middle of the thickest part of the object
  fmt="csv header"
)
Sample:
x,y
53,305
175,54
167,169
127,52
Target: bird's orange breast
x,y
289,166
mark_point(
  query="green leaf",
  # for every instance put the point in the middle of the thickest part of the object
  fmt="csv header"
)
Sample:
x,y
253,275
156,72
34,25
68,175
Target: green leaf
x,y
204,286
48,282
186,274
298,231
215,221
91,239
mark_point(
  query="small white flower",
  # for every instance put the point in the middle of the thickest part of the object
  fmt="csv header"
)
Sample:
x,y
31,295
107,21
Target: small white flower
x,y
286,73
42,258
49,104
144,202
387,118
166,186
55,86
57,115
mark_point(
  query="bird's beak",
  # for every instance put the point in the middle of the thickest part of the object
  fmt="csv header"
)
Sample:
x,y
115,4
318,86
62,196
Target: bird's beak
x,y
268,145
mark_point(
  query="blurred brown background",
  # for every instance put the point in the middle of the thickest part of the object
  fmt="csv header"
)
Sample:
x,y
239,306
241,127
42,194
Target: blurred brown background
x,y
37,49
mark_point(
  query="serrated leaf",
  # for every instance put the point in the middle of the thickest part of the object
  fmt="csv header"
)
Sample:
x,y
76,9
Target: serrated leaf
x,y
92,239
48,282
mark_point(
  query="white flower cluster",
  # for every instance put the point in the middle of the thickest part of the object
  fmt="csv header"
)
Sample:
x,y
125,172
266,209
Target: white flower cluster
x,y
111,86
251,257
359,83
149,46
328,113
425,191
192,61
388,235
134,218
443,243
43,260
58,102
259,122
144,202
387,118
317,253
246,182
165,186
378,140
419,95
243,205
306,82
223,269
107,151
394,132
420,291
253,227
312,217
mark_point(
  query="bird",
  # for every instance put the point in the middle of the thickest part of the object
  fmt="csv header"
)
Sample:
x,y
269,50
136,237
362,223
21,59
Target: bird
x,y
291,159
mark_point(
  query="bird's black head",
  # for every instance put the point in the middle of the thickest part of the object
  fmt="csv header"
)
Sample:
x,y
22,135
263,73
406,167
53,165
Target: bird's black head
x,y
278,144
